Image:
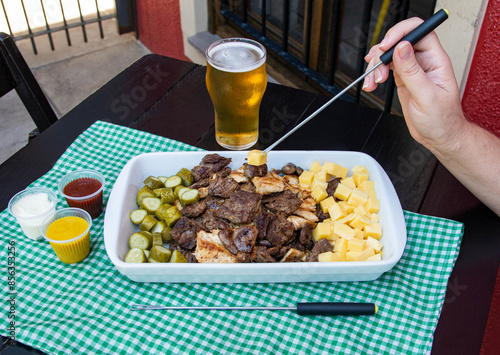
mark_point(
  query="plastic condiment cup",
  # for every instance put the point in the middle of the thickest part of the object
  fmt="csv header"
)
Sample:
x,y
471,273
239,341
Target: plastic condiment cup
x,y
23,206
89,201
69,248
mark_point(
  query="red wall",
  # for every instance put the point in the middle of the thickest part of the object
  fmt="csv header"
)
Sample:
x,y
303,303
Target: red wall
x,y
481,100
159,27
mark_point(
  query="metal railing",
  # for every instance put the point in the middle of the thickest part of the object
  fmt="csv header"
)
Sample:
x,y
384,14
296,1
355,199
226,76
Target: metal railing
x,y
335,79
48,28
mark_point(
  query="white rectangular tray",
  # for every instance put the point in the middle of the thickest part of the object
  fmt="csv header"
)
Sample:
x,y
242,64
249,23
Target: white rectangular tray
x,y
118,227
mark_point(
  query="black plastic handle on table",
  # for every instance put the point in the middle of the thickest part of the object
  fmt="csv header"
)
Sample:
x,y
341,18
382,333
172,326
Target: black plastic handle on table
x,y
335,308
418,33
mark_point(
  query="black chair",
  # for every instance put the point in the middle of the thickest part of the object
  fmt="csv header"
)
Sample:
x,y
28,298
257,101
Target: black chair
x,y
15,74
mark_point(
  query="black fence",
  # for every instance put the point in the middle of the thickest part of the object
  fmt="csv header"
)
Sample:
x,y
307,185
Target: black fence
x,y
49,29
325,39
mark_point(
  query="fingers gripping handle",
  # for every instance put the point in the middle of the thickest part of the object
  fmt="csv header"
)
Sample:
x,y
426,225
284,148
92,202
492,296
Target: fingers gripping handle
x,y
418,33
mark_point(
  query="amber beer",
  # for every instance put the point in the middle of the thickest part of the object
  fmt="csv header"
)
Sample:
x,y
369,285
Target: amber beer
x,y
236,80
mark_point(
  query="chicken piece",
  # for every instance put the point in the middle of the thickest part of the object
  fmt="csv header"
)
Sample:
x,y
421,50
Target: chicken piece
x,y
209,249
309,204
298,222
267,185
292,255
238,175
308,215
203,191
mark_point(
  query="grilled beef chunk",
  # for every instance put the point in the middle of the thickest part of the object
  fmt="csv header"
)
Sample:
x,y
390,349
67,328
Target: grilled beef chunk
x,y
213,203
279,231
184,232
285,202
321,215
222,187
194,210
240,207
261,222
187,253
201,183
248,186
244,238
210,164
321,246
261,255
332,186
288,169
209,222
226,237
264,243
243,257
225,171
306,237
251,171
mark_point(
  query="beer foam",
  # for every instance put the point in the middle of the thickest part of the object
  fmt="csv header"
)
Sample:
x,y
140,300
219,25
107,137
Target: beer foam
x,y
236,57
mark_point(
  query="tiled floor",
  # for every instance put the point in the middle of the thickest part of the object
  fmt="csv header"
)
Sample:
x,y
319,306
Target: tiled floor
x,y
67,76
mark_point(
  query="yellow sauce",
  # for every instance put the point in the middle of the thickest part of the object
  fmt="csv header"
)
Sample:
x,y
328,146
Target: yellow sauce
x,y
67,228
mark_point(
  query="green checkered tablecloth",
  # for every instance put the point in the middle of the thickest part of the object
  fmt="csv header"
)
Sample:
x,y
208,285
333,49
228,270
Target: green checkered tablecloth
x,y
83,308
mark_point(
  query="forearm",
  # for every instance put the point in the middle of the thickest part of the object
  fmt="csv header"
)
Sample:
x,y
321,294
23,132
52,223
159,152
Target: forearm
x,y
474,159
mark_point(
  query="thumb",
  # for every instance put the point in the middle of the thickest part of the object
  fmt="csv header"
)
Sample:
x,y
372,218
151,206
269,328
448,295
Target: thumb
x,y
409,72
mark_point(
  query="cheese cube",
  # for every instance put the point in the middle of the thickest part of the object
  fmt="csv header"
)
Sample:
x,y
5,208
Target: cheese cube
x,y
306,178
347,218
319,194
326,203
371,193
348,208
343,230
336,211
321,175
341,245
352,255
359,221
372,205
328,167
362,211
325,257
357,197
376,257
375,218
365,254
342,192
316,182
373,230
328,220
349,182
360,177
315,167
339,171
367,186
256,157
374,243
356,244
359,234
322,231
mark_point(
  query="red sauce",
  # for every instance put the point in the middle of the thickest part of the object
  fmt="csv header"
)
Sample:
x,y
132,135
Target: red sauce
x,y
85,187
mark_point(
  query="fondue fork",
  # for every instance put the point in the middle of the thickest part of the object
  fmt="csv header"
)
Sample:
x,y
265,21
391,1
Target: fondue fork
x,y
413,37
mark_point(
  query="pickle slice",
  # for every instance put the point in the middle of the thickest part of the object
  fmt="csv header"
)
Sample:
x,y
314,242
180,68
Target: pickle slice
x,y
135,255
150,204
162,228
152,261
153,183
142,193
137,216
179,190
177,257
147,223
189,197
171,216
158,192
167,196
186,176
162,179
160,212
146,252
173,181
157,239
160,254
142,240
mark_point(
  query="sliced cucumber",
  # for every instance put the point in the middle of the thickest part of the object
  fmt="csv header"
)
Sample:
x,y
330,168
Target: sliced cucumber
x,y
142,193
160,211
161,227
167,196
162,179
142,240
137,216
177,257
189,197
158,192
186,176
147,223
157,239
160,254
150,204
173,181
135,255
153,183
171,216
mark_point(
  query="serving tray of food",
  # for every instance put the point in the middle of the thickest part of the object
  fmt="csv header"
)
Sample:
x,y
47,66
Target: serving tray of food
x,y
302,216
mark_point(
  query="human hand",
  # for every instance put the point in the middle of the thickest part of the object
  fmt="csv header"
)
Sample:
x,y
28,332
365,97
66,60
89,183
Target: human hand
x,y
427,87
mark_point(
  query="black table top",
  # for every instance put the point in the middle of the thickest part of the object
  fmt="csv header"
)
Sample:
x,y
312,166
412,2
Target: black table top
x,y
160,95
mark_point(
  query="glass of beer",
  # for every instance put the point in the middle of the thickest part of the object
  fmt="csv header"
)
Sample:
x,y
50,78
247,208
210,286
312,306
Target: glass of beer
x,y
236,81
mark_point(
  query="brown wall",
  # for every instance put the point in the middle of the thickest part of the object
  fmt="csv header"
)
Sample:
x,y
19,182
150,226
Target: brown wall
x,y
159,27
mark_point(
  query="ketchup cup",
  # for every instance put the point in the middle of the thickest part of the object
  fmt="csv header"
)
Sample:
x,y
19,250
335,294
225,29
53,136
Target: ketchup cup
x,y
83,189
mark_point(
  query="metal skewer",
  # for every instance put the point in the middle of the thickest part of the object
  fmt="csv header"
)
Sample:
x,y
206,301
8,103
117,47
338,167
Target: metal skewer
x,y
308,308
413,37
